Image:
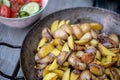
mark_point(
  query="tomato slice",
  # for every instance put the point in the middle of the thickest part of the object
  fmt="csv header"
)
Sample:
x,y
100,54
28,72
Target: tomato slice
x,y
35,1
21,2
15,6
13,15
5,11
40,3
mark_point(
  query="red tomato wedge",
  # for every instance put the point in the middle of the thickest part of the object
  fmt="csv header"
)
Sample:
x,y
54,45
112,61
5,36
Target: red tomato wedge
x,y
38,1
13,15
35,1
21,2
15,6
5,11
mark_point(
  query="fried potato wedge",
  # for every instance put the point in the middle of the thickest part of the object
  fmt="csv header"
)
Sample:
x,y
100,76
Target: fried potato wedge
x,y
66,75
65,47
96,26
71,42
85,27
41,43
55,51
50,76
59,72
44,51
53,66
46,71
54,26
74,76
104,51
61,23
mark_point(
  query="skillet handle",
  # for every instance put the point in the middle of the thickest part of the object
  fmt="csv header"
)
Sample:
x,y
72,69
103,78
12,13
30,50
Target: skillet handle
x,y
5,75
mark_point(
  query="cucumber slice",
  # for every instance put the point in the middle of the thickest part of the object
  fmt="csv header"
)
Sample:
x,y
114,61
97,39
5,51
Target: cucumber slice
x,y
30,8
23,14
6,2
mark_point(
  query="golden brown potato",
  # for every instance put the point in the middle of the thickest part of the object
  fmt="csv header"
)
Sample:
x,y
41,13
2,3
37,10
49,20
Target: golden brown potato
x,y
61,23
81,42
76,62
62,57
87,57
94,42
74,75
65,47
85,75
60,34
96,26
46,71
115,38
54,26
45,50
115,58
59,47
112,73
95,78
71,42
57,42
79,54
86,36
98,55
79,48
55,51
94,34
47,33
66,75
115,50
77,32
41,43
50,76
96,69
45,60
66,64
67,21
104,51
67,28
53,66
85,27
59,72
107,64
103,38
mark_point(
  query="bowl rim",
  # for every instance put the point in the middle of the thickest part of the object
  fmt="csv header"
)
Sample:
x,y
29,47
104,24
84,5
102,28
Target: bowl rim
x,y
27,16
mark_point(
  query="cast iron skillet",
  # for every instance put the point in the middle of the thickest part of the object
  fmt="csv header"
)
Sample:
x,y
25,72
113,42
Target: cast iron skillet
x,y
109,19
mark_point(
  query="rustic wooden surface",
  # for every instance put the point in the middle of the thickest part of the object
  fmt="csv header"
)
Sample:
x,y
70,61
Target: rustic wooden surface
x,y
8,56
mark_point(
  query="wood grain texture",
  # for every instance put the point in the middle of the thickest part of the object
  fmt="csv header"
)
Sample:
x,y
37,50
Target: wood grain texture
x,y
8,56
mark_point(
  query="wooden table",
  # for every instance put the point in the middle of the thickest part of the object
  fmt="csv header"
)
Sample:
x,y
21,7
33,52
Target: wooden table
x,y
8,56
